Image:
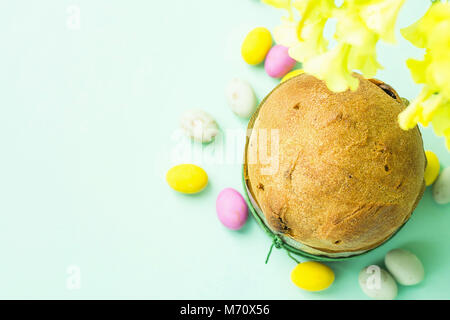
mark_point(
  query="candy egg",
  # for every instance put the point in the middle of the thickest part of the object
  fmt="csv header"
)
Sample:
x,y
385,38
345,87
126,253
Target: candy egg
x,y
404,266
292,74
256,45
441,188
278,62
187,178
377,283
231,209
432,169
241,98
199,125
312,276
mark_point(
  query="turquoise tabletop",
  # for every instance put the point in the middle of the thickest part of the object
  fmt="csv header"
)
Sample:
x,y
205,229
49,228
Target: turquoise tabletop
x,y
92,92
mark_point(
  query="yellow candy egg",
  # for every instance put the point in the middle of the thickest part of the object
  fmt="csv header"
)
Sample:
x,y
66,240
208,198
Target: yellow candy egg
x,y
256,45
292,74
432,169
187,178
312,276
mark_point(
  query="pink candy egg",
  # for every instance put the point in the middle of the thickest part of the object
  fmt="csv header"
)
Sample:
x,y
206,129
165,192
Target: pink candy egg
x,y
278,62
231,209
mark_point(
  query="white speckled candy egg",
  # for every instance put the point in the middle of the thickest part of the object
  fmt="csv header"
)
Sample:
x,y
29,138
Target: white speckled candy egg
x,y
377,283
199,125
241,98
231,209
441,188
404,266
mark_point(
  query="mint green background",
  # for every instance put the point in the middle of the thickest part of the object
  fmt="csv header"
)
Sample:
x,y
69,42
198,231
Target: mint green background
x,y
86,119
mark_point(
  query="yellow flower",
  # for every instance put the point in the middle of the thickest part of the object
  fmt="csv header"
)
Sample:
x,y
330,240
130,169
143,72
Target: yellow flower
x,y
418,68
433,103
360,24
439,76
364,57
420,110
332,67
380,16
286,33
432,32
352,29
419,32
313,12
441,122
313,42
305,37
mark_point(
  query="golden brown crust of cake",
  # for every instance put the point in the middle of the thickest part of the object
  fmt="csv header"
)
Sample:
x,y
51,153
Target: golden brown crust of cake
x,y
348,176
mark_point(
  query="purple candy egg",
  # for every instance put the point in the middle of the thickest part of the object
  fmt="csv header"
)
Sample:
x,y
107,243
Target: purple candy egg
x,y
231,209
278,62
